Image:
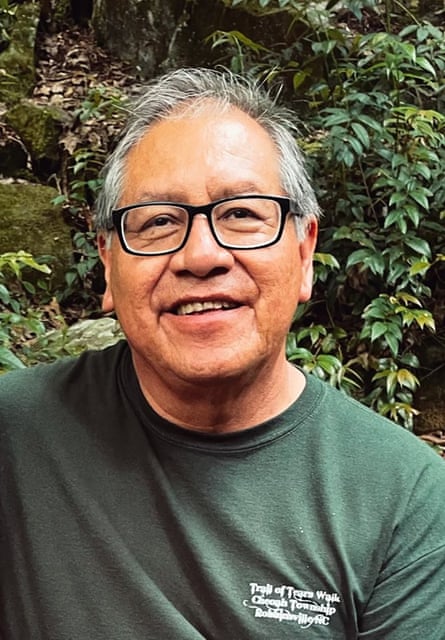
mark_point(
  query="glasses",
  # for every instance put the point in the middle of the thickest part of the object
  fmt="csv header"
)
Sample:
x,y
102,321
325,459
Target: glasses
x,y
241,222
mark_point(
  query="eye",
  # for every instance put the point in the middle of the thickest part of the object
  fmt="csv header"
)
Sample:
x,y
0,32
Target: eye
x,y
239,213
153,220
159,221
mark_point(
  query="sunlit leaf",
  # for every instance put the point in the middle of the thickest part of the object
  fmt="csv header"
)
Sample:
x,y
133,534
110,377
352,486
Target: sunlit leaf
x,y
326,259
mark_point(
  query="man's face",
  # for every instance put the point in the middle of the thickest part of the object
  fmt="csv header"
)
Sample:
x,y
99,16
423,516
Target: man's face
x,y
197,159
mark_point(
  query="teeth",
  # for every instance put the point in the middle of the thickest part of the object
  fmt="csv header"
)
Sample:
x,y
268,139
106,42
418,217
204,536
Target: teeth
x,y
198,307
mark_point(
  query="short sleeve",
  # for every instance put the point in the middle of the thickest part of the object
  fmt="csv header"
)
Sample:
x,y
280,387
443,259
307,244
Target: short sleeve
x,y
408,599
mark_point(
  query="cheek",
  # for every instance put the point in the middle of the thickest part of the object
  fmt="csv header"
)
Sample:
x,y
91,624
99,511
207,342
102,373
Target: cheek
x,y
137,284
129,284
279,288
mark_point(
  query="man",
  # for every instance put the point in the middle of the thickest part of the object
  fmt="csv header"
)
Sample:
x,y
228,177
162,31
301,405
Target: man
x,y
189,482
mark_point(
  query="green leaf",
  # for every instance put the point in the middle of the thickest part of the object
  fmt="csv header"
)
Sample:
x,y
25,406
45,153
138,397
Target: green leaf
x,y
5,295
30,288
419,245
298,78
391,381
396,198
347,158
425,319
61,199
70,278
420,197
358,256
422,169
378,329
410,360
413,214
426,65
337,117
395,216
327,259
324,47
393,343
361,133
328,363
406,298
420,266
355,144
371,259
300,354
407,379
8,360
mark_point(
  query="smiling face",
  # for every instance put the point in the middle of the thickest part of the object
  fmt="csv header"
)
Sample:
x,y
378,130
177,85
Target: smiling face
x,y
206,313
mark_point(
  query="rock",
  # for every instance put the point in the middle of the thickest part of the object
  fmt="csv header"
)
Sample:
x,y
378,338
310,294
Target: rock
x,y
40,129
85,334
17,61
148,25
32,223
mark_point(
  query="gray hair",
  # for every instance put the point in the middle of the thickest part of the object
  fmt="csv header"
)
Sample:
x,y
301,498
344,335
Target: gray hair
x,y
177,91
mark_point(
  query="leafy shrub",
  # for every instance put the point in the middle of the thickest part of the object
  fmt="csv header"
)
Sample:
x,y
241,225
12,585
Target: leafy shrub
x,y
25,307
7,20
372,103
100,114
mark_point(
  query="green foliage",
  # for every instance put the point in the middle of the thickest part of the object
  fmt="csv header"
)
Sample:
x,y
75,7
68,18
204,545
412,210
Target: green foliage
x,y
82,189
373,104
79,276
101,103
241,45
7,20
27,311
84,182
102,109
366,77
20,320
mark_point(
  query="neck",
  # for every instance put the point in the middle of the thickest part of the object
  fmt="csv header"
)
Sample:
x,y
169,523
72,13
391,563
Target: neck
x,y
222,406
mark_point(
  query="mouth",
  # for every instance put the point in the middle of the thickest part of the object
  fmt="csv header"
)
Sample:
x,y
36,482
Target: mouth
x,y
191,308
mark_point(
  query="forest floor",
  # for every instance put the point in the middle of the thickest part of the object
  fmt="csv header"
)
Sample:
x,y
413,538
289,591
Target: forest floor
x,y
77,76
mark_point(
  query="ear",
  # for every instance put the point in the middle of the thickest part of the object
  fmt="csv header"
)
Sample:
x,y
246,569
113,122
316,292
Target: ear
x,y
307,248
104,247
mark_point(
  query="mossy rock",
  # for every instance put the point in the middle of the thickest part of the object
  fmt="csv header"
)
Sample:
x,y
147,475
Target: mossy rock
x,y
30,222
40,129
17,62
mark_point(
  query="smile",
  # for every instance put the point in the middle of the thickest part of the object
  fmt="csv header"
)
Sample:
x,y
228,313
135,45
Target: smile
x,y
200,307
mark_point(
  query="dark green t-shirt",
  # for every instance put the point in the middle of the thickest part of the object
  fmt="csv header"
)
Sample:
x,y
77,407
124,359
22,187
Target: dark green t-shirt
x,y
326,522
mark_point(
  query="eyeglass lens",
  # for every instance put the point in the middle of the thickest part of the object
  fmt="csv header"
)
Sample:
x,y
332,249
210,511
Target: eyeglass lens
x,y
247,222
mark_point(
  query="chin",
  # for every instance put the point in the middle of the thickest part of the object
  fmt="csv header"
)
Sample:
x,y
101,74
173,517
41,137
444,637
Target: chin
x,y
217,370
212,373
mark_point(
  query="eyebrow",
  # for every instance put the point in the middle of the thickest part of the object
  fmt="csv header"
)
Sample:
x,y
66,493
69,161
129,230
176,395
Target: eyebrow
x,y
242,188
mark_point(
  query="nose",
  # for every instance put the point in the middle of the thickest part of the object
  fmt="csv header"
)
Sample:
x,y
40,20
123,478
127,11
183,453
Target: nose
x,y
201,255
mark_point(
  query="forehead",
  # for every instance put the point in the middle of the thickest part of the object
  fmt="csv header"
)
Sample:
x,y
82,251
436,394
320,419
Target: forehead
x,y
194,154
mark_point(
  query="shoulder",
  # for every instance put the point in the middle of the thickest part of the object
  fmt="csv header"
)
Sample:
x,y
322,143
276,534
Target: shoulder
x,y
352,430
29,388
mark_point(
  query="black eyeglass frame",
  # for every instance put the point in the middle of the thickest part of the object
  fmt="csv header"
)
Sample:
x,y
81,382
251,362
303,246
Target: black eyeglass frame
x,y
287,206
